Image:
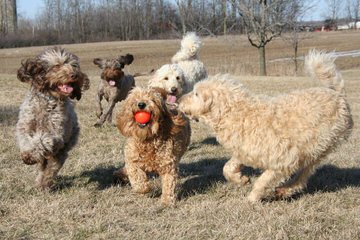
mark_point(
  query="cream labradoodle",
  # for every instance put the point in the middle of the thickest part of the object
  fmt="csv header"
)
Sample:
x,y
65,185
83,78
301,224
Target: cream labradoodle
x,y
186,69
286,136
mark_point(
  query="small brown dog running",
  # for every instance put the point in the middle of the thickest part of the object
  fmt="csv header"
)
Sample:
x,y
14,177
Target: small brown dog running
x,y
114,85
155,146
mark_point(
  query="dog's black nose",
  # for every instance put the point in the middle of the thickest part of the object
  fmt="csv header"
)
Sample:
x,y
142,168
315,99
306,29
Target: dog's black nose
x,y
73,75
141,105
173,90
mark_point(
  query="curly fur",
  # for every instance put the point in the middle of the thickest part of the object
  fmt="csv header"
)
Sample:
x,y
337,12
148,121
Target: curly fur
x,y
153,147
114,85
47,127
186,69
285,135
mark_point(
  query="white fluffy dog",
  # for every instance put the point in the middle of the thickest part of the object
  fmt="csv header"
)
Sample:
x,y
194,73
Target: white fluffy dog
x,y
286,136
186,69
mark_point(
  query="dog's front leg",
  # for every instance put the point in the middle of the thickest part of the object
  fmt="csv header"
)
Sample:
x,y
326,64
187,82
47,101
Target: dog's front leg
x,y
138,179
232,171
266,184
98,100
48,169
169,183
107,112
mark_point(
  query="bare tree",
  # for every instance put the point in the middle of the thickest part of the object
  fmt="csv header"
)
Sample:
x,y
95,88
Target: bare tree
x,y
298,10
333,10
184,7
264,20
353,11
8,17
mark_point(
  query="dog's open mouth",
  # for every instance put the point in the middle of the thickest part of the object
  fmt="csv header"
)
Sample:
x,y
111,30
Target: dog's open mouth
x,y
65,88
112,82
171,99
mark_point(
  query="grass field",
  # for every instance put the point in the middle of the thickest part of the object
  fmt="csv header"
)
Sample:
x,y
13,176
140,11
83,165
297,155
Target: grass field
x,y
87,205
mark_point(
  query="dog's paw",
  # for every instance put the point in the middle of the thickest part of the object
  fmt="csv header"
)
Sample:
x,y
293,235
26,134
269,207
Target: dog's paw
x,y
167,202
120,177
28,158
281,192
97,125
253,197
98,114
143,188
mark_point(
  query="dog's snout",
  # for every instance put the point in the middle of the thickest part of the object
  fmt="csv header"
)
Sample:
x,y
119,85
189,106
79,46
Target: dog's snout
x,y
141,105
173,90
73,75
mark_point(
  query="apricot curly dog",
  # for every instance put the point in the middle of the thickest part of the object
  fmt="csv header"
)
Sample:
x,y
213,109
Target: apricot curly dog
x,y
286,135
47,127
155,146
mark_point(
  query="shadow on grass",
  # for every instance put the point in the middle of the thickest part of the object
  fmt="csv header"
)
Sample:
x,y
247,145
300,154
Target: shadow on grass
x,y
330,178
8,115
204,174
201,176
103,176
206,141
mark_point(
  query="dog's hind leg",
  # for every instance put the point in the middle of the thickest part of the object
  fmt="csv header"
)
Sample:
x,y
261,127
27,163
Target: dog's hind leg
x,y
169,182
138,180
98,100
298,183
266,184
232,171
106,114
48,170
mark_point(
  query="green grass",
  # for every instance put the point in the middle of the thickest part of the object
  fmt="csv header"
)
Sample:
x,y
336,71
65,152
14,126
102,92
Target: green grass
x,y
87,205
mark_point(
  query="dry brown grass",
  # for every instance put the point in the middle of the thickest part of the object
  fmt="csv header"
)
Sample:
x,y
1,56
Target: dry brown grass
x,y
87,205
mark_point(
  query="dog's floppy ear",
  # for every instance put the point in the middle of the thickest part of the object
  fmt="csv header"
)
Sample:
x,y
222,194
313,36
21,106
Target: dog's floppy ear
x,y
123,124
126,60
82,84
31,70
76,93
162,92
99,62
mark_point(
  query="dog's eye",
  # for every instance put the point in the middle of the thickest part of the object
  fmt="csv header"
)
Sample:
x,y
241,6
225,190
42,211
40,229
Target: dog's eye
x,y
166,78
177,78
75,65
196,94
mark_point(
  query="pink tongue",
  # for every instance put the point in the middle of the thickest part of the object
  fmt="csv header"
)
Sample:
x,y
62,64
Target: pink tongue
x,y
171,99
66,88
112,83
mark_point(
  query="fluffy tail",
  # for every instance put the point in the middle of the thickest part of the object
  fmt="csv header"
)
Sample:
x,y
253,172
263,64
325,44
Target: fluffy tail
x,y
320,65
190,46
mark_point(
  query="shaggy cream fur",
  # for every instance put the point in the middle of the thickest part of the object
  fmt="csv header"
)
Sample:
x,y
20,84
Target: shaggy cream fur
x,y
156,146
285,135
186,69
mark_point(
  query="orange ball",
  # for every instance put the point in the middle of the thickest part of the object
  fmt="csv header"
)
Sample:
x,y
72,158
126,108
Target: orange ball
x,y
142,117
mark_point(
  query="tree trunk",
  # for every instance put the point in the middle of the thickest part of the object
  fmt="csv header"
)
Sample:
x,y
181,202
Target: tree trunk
x,y
224,9
295,58
14,15
262,62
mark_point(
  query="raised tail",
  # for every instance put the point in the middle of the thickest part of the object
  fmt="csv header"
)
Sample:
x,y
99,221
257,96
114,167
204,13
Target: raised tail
x,y
190,46
320,65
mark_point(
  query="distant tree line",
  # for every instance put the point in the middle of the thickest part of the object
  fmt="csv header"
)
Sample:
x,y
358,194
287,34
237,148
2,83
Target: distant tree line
x,y
78,21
